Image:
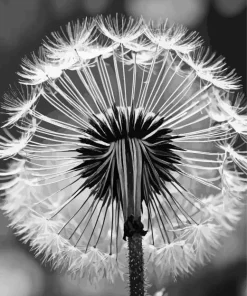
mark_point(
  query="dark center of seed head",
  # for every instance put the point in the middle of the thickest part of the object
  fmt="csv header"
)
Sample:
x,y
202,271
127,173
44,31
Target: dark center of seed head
x,y
137,131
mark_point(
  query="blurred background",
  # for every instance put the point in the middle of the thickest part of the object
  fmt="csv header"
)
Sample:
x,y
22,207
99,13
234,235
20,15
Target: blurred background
x,y
23,24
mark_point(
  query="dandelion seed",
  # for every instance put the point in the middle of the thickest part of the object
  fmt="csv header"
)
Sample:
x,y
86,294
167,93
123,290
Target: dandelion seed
x,y
11,146
142,121
173,37
19,103
39,69
178,257
204,238
120,29
63,48
201,61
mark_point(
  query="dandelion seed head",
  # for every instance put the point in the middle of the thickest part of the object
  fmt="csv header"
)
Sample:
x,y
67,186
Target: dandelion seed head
x,y
143,120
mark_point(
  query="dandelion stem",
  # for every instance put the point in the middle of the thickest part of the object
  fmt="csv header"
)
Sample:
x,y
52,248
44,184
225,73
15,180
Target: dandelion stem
x,y
136,265
133,227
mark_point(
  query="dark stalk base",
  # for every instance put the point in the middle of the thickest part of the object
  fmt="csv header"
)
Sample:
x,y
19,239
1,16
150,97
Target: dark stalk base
x,y
136,265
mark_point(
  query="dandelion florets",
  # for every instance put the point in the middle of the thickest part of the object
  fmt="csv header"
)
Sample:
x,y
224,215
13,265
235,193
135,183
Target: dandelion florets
x,y
141,122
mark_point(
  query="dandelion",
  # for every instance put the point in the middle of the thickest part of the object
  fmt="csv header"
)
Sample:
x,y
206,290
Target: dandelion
x,y
142,121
